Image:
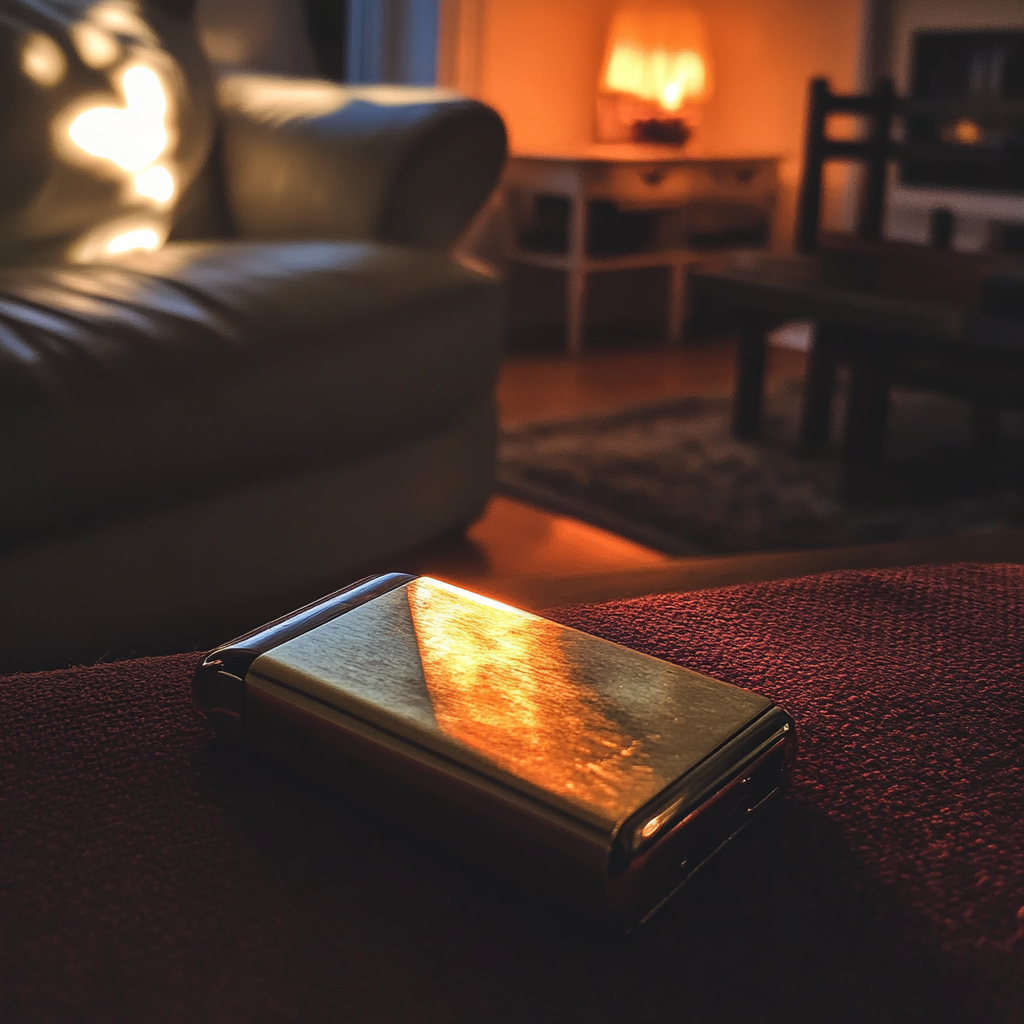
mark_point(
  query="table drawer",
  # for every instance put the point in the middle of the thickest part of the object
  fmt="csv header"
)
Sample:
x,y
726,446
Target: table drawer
x,y
657,185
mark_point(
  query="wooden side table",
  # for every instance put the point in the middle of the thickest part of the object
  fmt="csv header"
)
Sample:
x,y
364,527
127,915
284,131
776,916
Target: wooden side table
x,y
634,178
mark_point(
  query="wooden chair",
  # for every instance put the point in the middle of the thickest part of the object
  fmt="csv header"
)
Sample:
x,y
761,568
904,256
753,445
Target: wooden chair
x,y
894,312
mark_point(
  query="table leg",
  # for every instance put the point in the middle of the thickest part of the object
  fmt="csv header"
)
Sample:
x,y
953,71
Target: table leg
x,y
575,305
746,420
676,301
819,381
576,278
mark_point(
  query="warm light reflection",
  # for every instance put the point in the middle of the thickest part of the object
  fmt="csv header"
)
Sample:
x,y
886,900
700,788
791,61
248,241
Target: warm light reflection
x,y
42,60
966,132
137,240
127,132
117,237
501,683
122,19
155,183
277,100
96,47
132,136
650,827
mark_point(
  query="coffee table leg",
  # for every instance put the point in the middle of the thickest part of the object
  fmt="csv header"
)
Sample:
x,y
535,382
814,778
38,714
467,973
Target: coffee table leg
x,y
576,304
676,301
866,416
576,282
746,421
819,381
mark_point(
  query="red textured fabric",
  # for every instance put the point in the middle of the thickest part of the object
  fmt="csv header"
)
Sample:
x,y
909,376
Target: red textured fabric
x,y
147,873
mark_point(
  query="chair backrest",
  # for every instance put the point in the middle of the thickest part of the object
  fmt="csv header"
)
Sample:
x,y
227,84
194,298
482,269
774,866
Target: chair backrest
x,y
876,148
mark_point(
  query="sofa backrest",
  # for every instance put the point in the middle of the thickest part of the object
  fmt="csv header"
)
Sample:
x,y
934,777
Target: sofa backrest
x,y
106,122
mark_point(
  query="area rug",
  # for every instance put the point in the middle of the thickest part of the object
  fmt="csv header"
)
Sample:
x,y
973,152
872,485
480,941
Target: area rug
x,y
672,477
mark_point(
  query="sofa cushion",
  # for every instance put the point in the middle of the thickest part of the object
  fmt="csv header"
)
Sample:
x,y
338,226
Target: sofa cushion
x,y
304,158
150,874
107,119
185,371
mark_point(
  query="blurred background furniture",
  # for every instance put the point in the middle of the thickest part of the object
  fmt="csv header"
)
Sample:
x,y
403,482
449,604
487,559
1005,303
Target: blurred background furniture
x,y
629,206
299,382
895,312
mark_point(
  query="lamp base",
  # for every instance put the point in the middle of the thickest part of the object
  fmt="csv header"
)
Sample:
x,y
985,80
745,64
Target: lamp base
x,y
668,131
623,118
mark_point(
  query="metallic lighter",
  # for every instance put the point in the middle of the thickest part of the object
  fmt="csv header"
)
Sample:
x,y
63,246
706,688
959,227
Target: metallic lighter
x,y
600,775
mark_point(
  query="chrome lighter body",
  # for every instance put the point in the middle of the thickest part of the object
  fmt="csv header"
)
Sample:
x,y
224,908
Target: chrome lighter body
x,y
601,775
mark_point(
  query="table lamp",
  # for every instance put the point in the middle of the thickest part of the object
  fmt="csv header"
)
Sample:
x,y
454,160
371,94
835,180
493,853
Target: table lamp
x,y
655,76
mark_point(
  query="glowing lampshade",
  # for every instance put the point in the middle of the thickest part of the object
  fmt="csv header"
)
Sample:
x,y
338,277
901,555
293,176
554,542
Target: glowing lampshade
x,y
655,75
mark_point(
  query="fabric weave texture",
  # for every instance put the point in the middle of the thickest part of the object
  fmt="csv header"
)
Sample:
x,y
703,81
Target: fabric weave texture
x,y
151,874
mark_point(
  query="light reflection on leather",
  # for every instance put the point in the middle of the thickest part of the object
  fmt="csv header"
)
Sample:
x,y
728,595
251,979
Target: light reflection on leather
x,y
502,683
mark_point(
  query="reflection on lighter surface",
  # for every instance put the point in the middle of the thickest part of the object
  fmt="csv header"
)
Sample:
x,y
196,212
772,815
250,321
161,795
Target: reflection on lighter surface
x,y
588,726
650,827
42,60
501,683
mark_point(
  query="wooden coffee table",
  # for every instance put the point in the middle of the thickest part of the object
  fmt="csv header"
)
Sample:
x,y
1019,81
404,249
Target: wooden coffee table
x,y
881,308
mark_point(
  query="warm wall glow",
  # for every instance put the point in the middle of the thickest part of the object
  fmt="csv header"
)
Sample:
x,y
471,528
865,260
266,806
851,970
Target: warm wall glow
x,y
132,136
658,53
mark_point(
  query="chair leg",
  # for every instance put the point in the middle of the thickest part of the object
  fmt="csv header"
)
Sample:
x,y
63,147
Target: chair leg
x,y
985,429
746,422
866,415
819,381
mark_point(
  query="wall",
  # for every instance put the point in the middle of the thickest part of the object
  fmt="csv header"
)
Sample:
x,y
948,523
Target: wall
x,y
538,62
908,16
264,35
976,212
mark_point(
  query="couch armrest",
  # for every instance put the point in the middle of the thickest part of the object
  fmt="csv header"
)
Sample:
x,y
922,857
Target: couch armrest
x,y
305,158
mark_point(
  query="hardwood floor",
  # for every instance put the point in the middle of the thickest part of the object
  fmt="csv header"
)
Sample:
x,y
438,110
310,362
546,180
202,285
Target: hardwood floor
x,y
537,559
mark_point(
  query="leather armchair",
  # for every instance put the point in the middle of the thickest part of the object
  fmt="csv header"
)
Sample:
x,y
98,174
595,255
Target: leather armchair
x,y
298,384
